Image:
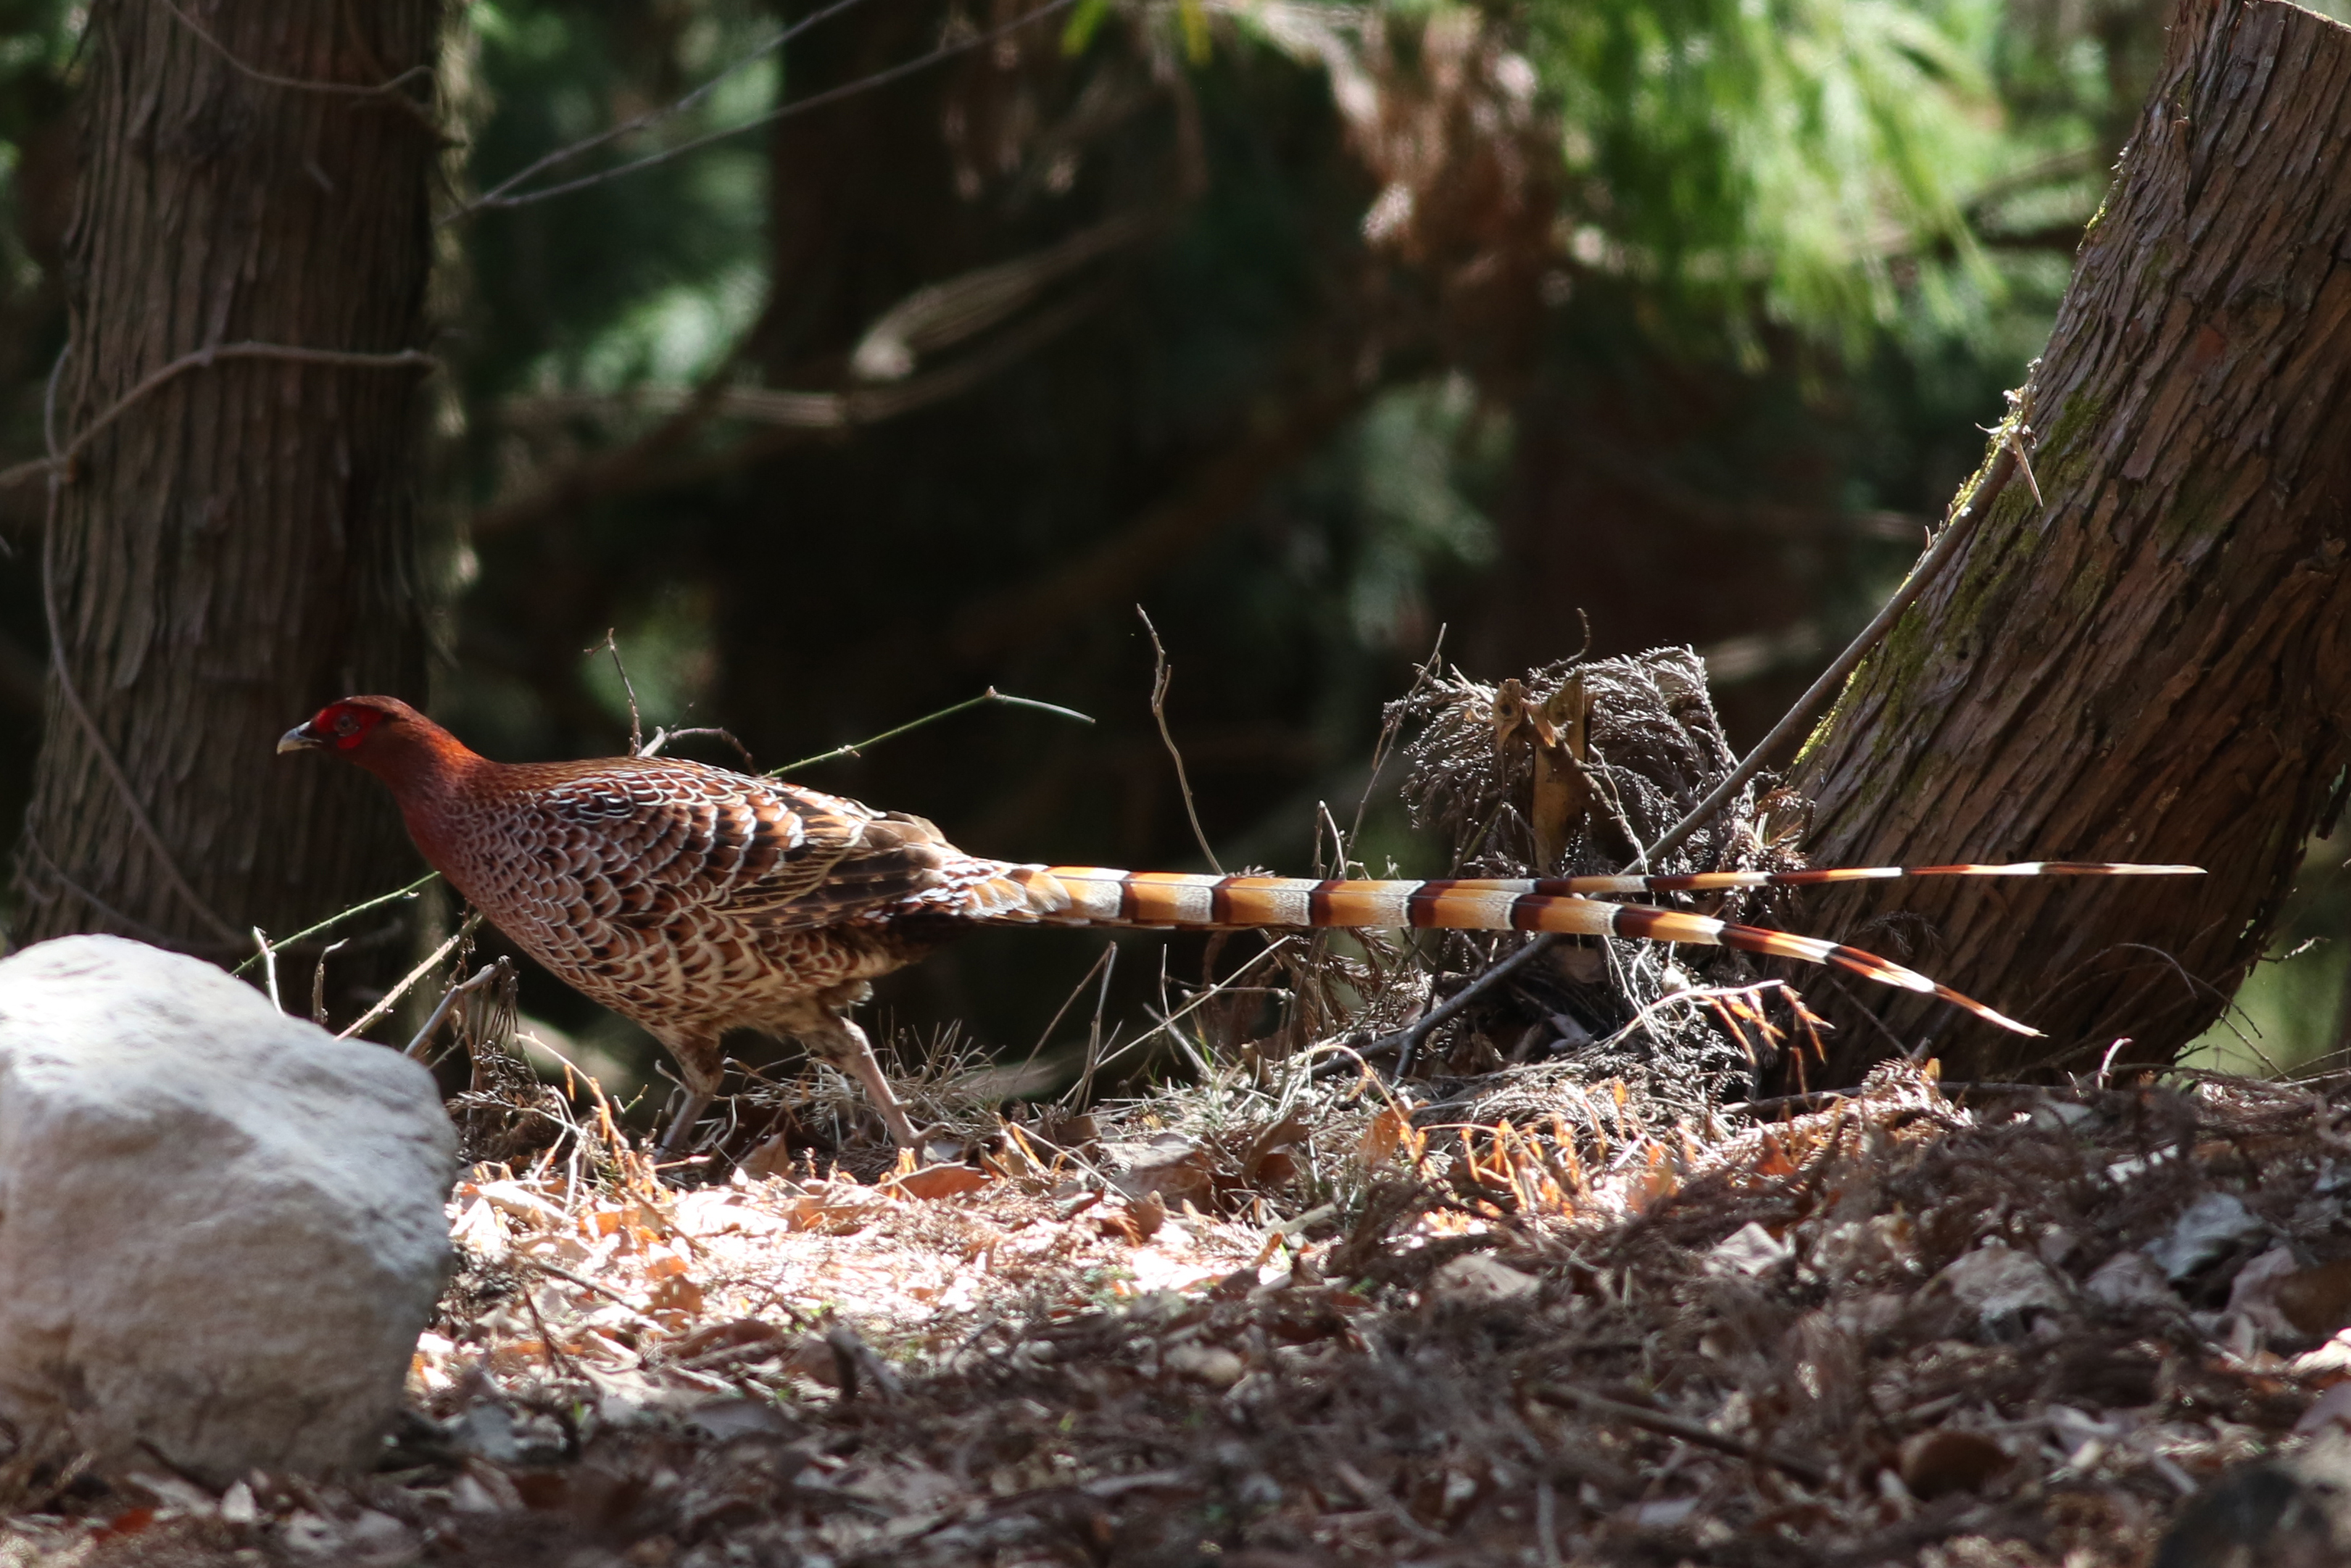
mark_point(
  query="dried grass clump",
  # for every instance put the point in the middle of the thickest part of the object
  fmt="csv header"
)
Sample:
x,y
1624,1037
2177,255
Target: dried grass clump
x,y
1681,1028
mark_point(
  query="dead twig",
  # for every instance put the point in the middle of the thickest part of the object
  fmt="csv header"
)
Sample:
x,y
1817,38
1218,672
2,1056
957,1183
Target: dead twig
x,y
328,924
392,998
318,982
1947,546
1691,1432
990,696
503,194
389,88
489,974
1161,674
1409,1039
59,461
583,1282
619,666
268,967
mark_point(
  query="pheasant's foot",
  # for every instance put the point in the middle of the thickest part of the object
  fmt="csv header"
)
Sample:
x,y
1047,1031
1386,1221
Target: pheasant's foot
x,y
679,1134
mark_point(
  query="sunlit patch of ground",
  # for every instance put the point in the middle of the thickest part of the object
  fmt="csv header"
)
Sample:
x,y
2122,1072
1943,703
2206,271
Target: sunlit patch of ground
x,y
1884,1329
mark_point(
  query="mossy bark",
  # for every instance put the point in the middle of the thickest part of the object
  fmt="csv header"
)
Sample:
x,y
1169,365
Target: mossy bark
x,y
238,546
2153,662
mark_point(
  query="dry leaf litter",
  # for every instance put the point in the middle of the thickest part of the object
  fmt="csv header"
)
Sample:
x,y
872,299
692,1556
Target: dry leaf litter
x,y
1597,1304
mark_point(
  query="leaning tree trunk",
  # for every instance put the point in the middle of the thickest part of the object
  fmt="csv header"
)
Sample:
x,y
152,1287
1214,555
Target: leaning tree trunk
x,y
2153,662
230,542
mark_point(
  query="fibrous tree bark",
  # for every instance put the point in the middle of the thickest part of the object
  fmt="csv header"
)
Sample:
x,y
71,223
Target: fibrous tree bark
x,y
232,541
2152,661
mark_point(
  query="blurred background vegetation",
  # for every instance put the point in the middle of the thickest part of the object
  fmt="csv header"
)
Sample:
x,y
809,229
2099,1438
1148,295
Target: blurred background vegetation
x,y
846,379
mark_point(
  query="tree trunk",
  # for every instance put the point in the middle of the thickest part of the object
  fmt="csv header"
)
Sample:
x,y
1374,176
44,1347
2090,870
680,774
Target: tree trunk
x,y
2154,663
237,546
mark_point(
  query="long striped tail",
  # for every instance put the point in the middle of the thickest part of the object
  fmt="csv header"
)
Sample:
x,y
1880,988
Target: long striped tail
x,y
1096,895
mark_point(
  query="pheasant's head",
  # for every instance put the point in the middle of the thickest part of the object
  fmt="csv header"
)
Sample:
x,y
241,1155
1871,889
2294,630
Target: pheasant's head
x,y
382,735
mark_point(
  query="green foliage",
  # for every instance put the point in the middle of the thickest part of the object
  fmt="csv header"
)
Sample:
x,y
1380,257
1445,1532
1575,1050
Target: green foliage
x,y
1782,152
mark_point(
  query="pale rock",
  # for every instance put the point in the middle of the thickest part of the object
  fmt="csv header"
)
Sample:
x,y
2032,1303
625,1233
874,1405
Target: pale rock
x,y
2214,1225
220,1228
1477,1281
1750,1249
2130,1279
1212,1364
2005,1289
2253,1295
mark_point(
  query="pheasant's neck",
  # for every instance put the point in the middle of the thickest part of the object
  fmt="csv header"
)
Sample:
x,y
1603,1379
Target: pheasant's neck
x,y
437,783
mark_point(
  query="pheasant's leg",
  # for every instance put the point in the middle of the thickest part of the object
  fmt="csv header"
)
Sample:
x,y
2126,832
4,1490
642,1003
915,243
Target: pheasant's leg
x,y
703,1067
827,1033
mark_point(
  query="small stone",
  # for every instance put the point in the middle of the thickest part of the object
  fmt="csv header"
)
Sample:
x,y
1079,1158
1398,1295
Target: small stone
x,y
1476,1279
1750,1249
2003,1288
2130,1279
2214,1225
220,1228
1170,1167
1211,1364
2317,1301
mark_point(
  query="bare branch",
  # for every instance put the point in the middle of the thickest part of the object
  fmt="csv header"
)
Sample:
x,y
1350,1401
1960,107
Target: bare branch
x,y
58,461
387,87
1160,675
1947,546
636,468
503,195
392,998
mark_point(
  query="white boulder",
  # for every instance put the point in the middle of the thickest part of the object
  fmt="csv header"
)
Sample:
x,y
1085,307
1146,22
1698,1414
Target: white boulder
x,y
220,1228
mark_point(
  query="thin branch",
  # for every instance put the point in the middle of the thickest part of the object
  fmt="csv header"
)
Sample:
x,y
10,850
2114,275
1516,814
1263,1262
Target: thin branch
x,y
634,467
392,998
568,1278
494,194
1409,1039
333,921
1946,548
58,461
799,106
302,84
1668,1426
990,696
319,983
663,736
1160,675
636,724
268,957
488,973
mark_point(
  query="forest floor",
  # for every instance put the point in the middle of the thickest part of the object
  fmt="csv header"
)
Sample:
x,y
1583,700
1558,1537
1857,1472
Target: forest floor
x,y
1525,1324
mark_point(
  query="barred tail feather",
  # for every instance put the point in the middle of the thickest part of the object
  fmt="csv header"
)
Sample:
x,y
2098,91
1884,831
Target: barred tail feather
x,y
1098,895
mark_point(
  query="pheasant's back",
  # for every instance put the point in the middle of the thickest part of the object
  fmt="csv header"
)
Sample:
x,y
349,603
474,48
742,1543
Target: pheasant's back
x,y
692,898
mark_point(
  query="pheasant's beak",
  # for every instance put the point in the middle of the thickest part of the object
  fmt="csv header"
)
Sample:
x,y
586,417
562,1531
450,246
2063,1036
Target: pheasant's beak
x,y
301,737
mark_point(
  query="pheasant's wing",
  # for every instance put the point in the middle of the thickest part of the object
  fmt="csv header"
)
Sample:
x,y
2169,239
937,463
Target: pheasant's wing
x,y
643,839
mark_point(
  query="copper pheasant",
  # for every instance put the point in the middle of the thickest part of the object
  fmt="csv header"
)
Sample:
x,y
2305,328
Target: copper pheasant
x,y
694,900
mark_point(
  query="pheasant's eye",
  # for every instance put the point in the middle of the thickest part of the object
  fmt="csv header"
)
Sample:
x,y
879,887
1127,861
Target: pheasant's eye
x,y
345,724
